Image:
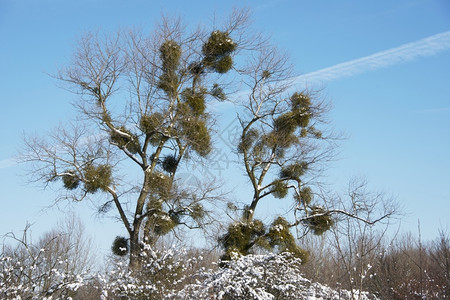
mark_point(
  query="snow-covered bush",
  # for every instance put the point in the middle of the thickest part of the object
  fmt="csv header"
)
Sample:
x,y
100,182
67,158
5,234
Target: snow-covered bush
x,y
162,272
249,277
167,273
274,276
54,267
30,274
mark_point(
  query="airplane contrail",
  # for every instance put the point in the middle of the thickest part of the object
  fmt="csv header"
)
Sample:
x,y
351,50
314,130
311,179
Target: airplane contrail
x,y
429,46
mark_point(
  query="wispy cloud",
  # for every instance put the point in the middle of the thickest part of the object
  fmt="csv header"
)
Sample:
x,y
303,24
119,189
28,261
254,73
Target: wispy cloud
x,y
435,110
422,48
6,163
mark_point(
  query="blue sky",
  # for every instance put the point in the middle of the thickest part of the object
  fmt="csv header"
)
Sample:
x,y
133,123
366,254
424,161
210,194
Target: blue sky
x,y
384,65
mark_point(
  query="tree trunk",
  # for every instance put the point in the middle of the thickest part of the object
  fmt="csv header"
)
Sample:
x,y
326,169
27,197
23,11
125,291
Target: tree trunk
x,y
248,218
135,250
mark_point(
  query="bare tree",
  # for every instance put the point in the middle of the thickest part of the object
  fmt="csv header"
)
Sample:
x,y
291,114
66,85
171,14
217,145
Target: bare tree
x,y
357,245
56,265
143,103
410,268
285,144
281,144
441,256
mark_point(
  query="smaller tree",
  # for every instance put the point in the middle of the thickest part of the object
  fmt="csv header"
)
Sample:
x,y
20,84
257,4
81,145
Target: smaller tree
x,y
358,235
408,268
440,254
53,268
282,147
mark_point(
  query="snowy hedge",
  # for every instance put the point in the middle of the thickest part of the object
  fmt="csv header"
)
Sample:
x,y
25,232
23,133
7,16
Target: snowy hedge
x,y
167,274
274,276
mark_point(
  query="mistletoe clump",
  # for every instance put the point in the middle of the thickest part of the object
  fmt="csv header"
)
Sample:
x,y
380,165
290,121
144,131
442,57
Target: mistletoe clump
x,y
164,223
217,51
247,140
170,54
195,100
125,139
170,163
120,246
97,177
320,221
280,189
70,180
280,237
305,196
196,132
294,171
149,124
197,212
240,238
217,92
94,177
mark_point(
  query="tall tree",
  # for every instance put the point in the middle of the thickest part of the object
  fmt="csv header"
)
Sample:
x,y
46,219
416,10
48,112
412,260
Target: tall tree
x,y
143,104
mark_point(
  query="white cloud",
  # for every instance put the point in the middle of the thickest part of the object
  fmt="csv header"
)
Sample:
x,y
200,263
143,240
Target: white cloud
x,y
6,163
422,48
